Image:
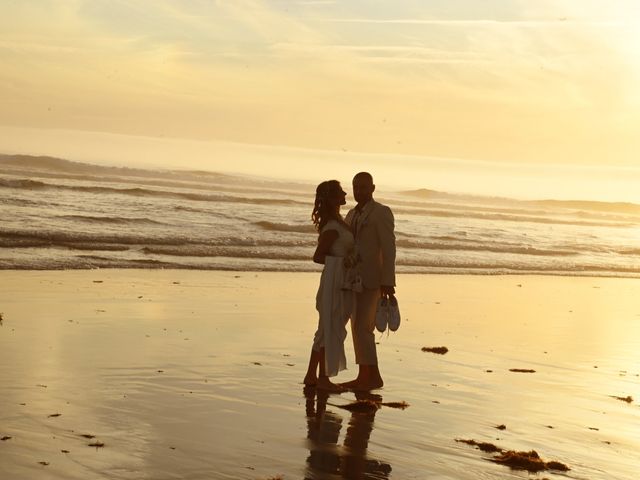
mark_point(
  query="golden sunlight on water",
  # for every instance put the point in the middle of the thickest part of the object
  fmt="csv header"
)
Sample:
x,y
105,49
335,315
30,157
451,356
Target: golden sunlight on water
x,y
186,374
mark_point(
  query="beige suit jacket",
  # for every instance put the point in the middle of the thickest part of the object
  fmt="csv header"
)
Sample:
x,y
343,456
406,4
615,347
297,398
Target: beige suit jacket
x,y
375,243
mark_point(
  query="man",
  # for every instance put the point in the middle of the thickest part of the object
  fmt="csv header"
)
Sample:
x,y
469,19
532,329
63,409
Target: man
x,y
372,226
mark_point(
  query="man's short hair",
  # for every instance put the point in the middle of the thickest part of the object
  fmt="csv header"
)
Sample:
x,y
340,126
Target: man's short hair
x,y
366,175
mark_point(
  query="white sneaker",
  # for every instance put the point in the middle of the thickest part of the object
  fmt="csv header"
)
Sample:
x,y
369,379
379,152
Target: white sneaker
x,y
394,314
382,315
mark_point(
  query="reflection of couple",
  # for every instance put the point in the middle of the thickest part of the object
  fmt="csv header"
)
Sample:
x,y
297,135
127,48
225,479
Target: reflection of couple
x,y
358,254
326,457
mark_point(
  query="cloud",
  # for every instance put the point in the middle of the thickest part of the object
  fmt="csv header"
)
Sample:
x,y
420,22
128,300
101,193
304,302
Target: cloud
x,y
316,2
562,22
452,78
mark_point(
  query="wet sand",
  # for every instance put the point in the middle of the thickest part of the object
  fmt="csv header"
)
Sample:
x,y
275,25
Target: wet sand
x,y
191,375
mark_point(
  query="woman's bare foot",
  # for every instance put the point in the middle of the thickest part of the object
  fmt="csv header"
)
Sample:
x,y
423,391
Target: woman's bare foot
x,y
327,385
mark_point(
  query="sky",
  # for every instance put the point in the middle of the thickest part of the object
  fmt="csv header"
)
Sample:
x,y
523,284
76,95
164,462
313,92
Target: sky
x,y
536,98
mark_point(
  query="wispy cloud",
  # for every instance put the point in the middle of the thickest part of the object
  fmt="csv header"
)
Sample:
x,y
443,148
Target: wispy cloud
x,y
38,47
379,53
316,2
561,22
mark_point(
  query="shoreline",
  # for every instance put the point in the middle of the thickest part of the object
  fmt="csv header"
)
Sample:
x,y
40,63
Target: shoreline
x,y
629,276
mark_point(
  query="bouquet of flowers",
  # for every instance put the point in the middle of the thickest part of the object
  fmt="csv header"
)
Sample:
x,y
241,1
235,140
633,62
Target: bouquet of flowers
x,y
352,279
352,259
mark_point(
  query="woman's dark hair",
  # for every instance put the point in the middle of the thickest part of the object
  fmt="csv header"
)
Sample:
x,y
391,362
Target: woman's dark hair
x,y
322,210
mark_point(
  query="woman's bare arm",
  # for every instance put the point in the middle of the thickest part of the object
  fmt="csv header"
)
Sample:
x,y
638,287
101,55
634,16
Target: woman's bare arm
x,y
325,241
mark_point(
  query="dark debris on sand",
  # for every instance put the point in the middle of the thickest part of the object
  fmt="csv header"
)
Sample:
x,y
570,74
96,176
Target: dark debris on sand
x,y
483,446
627,399
438,350
522,370
1,319
368,406
96,444
501,427
5,438
362,406
529,461
400,405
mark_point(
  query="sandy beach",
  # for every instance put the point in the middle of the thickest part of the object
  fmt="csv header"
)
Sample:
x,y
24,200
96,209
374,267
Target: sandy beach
x,y
189,375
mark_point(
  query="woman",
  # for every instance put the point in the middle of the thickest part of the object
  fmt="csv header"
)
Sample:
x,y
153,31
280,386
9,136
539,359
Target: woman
x,y
334,300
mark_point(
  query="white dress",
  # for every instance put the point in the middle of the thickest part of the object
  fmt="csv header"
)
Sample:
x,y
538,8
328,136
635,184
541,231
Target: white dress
x,y
334,302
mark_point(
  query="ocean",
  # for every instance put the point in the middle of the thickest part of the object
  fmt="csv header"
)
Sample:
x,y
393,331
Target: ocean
x,y
56,215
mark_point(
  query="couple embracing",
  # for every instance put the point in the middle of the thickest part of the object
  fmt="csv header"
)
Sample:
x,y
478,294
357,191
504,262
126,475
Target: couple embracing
x,y
358,253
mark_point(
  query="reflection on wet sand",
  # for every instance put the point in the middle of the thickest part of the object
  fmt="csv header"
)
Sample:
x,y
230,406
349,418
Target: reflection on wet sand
x,y
328,459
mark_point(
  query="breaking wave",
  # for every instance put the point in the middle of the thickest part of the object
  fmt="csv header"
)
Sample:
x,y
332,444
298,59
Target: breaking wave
x,y
503,217
285,227
112,220
145,192
57,214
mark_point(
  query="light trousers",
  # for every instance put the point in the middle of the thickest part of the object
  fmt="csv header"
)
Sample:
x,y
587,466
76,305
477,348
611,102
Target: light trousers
x,y
362,326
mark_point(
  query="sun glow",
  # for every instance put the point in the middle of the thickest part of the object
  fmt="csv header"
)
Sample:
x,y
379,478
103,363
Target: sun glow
x,y
545,84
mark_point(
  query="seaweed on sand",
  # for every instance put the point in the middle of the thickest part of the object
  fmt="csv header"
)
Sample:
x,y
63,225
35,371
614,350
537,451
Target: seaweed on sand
x,y
483,446
529,461
400,405
438,350
362,406
627,399
369,405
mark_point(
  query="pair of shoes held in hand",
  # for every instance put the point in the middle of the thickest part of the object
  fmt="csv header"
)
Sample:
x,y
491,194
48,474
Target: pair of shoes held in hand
x,y
388,314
